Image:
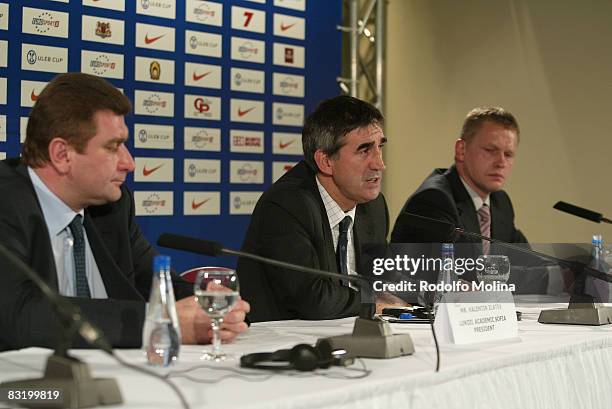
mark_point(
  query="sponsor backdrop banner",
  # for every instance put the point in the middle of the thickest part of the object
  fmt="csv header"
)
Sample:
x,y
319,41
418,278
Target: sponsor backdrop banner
x,y
220,90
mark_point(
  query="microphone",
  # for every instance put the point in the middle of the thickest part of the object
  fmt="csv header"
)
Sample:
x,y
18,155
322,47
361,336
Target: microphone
x,y
581,309
63,372
216,249
371,338
67,374
581,212
450,227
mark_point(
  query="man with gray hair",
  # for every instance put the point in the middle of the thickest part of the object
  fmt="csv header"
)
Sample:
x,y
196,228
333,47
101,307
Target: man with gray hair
x,y
324,213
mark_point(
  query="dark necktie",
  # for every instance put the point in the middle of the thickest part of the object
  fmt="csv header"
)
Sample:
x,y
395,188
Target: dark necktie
x,y
78,252
484,218
341,250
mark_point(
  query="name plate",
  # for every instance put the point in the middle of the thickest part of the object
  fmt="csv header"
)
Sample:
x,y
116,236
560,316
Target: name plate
x,y
476,316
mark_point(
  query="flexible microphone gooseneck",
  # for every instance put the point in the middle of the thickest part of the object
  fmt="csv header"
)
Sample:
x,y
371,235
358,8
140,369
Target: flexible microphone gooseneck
x,y
216,249
444,227
581,212
106,390
370,337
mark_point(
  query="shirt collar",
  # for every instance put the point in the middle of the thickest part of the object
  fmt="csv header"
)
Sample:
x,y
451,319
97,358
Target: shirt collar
x,y
57,214
476,199
335,214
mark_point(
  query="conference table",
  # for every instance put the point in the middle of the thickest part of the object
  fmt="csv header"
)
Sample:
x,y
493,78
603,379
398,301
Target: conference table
x,y
547,366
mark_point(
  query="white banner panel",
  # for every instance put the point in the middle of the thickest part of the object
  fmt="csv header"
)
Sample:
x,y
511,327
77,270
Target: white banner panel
x,y
287,114
289,26
103,30
154,169
247,110
288,85
149,136
289,55
280,168
201,203
287,143
157,8
242,171
154,37
246,141
149,203
243,202
202,75
154,70
202,171
204,12
202,139
248,19
206,44
248,80
102,64
44,22
30,90
118,5
44,58
153,103
247,49
202,107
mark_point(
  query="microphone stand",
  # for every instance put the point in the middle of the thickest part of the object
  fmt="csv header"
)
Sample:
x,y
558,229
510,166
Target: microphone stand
x,y
64,373
582,309
372,337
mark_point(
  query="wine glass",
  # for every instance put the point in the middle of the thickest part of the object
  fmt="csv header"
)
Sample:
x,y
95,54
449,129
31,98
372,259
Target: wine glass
x,y
216,290
496,269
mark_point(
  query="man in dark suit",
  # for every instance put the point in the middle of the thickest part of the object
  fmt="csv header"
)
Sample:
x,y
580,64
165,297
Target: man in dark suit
x,y
324,213
464,194
68,186
469,194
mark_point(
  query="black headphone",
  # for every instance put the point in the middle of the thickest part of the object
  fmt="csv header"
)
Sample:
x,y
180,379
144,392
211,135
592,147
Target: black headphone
x,y
302,357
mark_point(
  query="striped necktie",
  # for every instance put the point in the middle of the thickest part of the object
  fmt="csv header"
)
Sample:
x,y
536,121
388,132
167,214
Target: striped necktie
x,y
78,252
484,219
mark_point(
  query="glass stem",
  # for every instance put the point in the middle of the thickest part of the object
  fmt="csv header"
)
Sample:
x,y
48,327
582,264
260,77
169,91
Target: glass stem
x,y
216,339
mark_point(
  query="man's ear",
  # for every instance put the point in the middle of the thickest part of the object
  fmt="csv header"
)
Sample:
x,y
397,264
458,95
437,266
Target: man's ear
x,y
460,150
323,162
60,155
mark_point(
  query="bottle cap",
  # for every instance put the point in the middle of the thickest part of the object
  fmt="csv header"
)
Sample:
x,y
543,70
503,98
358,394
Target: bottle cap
x,y
161,263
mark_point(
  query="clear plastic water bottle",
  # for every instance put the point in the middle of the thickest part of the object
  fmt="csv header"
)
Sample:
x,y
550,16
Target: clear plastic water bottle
x,y
161,335
597,250
446,275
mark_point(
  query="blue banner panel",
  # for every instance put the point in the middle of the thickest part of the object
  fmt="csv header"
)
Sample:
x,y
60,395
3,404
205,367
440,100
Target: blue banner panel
x,y
220,91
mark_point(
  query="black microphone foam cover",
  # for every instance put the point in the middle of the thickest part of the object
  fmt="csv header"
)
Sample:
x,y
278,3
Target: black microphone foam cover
x,y
190,244
579,211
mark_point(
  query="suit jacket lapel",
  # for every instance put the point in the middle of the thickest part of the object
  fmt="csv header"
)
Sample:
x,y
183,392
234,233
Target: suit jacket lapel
x,y
115,282
42,240
499,227
465,205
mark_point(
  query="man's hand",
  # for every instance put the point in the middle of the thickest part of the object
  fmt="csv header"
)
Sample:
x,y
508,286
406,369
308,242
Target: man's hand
x,y
195,324
387,300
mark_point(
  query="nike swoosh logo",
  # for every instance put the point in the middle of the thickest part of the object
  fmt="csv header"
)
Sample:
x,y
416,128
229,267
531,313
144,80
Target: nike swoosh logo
x,y
243,113
195,205
33,96
284,145
199,77
284,27
149,40
147,172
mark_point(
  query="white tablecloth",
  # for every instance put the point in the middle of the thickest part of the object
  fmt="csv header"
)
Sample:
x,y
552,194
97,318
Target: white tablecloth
x,y
551,366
